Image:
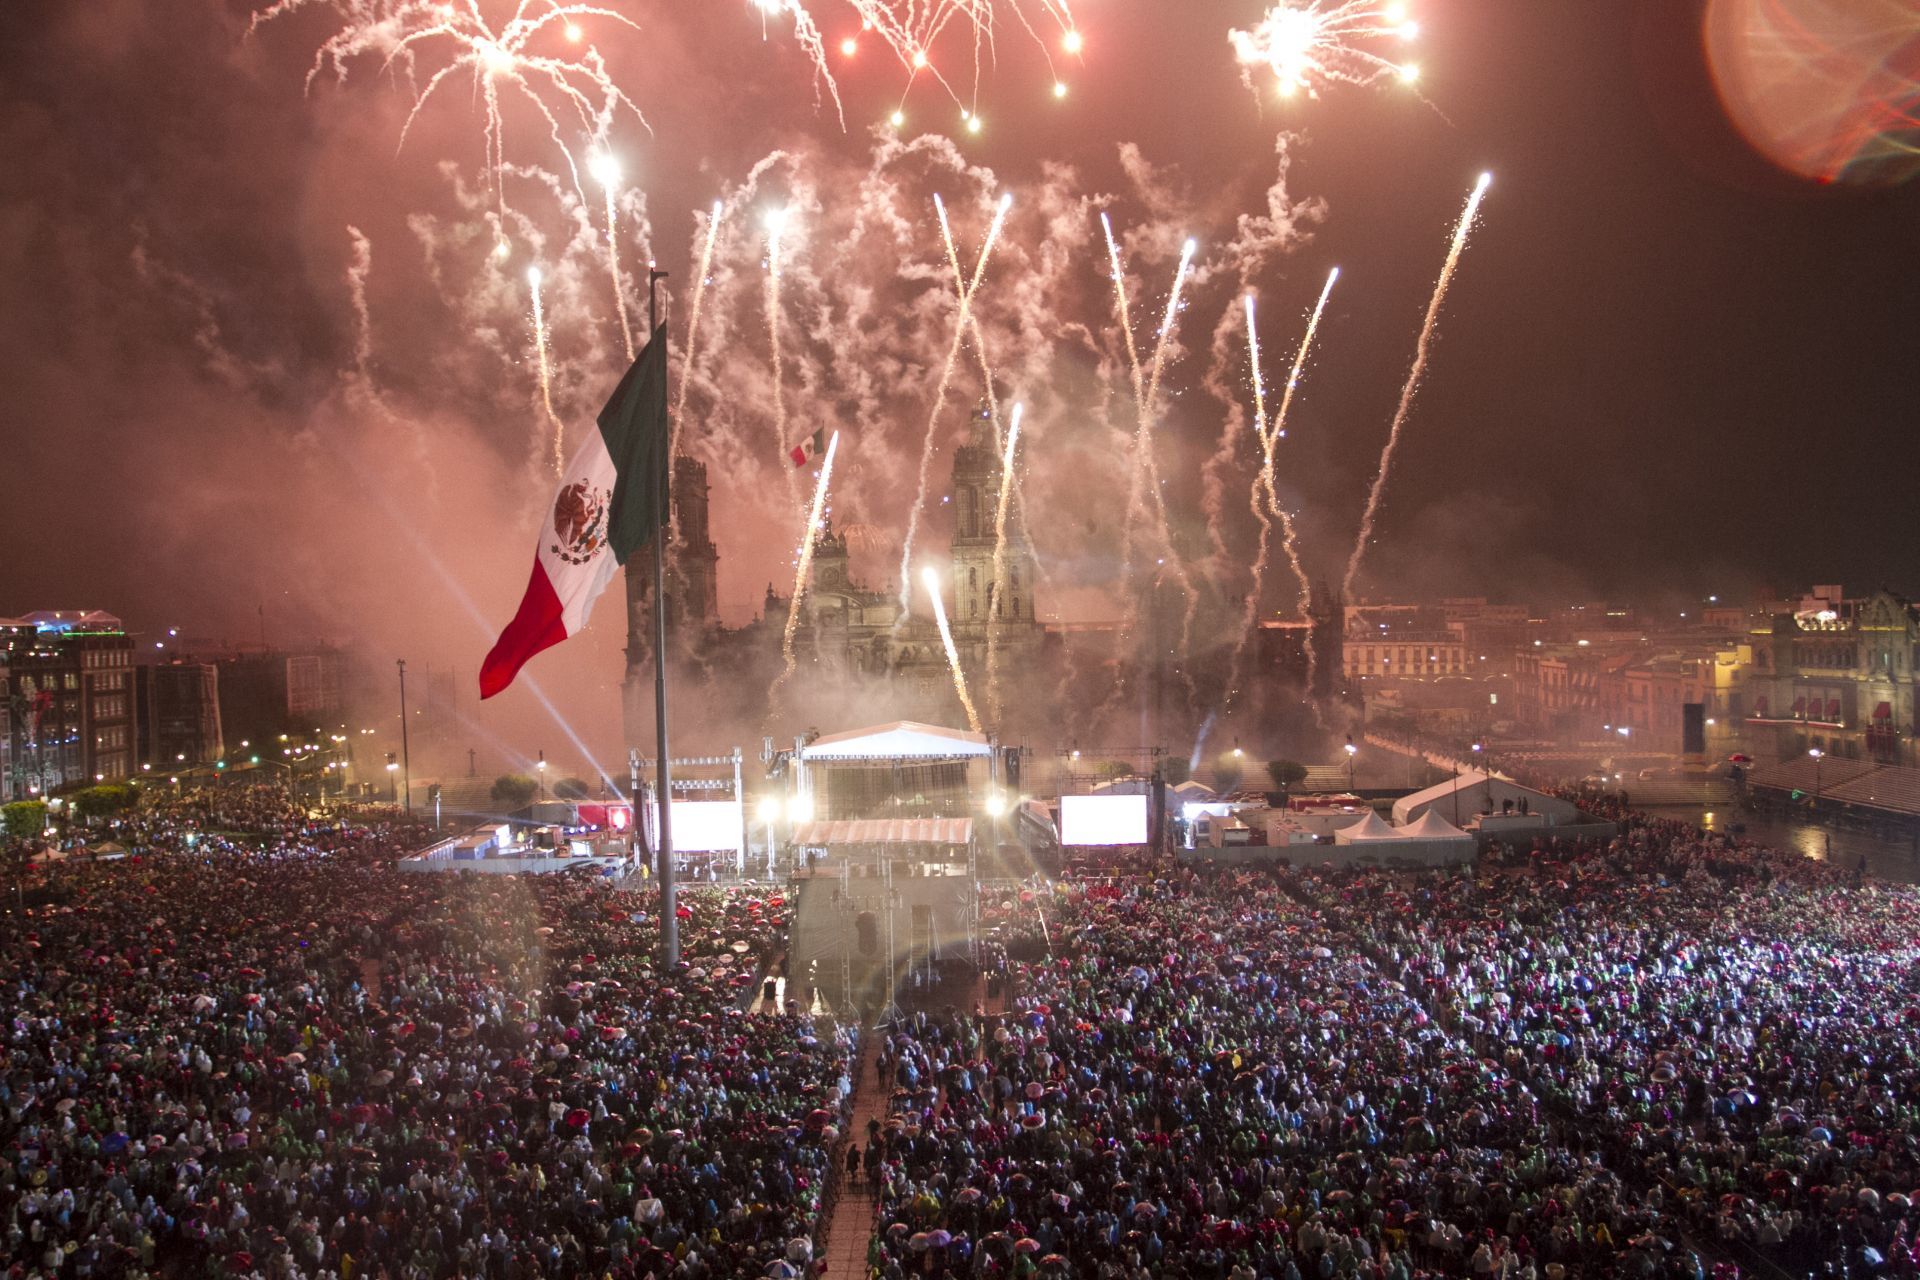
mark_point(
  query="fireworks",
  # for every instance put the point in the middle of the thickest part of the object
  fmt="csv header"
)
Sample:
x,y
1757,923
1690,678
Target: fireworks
x,y
693,324
804,569
546,376
996,597
1309,44
932,581
776,223
606,171
1412,384
911,29
1262,497
1144,482
1278,431
531,54
940,390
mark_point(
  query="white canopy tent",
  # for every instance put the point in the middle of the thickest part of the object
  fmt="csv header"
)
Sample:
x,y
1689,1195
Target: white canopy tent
x,y
1368,828
900,740
1431,826
1475,793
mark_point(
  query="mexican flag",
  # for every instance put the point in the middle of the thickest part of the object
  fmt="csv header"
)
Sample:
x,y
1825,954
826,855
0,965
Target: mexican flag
x,y
610,503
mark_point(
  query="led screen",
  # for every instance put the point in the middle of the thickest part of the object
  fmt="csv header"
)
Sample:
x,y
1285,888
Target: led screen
x,y
705,826
1103,820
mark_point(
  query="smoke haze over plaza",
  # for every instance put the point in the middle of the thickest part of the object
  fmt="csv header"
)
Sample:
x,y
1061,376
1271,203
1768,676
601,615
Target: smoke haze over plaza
x,y
1662,365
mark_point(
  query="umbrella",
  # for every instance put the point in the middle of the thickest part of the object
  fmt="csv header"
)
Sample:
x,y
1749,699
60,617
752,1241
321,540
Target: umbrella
x,y
920,1242
1026,1244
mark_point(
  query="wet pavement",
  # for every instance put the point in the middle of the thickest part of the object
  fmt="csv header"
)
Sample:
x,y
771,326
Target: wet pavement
x,y
1889,859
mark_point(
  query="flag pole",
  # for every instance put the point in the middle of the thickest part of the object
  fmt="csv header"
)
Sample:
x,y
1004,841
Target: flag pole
x,y
669,907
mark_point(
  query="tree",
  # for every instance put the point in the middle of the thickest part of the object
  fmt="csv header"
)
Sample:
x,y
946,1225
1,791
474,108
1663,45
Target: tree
x,y
1285,773
106,800
514,790
1175,770
24,819
572,789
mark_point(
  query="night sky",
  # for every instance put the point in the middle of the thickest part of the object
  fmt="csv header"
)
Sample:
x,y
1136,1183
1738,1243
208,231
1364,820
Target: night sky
x,y
1665,369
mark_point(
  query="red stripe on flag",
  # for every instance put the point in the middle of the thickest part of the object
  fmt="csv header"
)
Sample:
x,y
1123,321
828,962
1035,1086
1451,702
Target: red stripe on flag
x,y
799,455
535,627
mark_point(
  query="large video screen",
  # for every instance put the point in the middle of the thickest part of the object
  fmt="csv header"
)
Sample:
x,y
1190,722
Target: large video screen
x,y
705,826
1103,820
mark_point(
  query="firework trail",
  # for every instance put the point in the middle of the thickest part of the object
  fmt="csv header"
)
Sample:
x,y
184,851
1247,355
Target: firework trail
x,y
776,222
607,170
940,390
1120,293
1309,44
804,571
405,34
1259,509
693,326
1148,463
996,594
932,581
357,272
1274,434
546,376
1144,477
1412,385
910,28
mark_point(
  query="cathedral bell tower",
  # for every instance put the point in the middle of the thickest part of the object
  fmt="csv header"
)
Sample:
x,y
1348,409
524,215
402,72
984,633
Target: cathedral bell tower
x,y
976,504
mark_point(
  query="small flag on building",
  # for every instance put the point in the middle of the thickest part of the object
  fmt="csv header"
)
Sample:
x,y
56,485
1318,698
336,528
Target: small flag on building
x,y
609,505
809,449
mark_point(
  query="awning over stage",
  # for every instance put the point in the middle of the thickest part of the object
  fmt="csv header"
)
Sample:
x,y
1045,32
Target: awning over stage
x,y
943,831
901,740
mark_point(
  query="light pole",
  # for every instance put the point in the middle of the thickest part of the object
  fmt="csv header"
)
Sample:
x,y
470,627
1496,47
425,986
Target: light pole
x,y
406,756
1816,753
1352,751
540,771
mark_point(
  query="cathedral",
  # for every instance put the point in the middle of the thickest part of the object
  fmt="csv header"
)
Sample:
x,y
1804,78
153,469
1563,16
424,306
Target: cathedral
x,y
851,631
855,646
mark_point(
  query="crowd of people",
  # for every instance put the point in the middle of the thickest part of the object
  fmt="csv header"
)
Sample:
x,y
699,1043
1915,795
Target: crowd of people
x,y
1664,1055
253,1048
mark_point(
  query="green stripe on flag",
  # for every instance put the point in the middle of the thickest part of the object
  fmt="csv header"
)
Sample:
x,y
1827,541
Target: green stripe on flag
x,y
634,428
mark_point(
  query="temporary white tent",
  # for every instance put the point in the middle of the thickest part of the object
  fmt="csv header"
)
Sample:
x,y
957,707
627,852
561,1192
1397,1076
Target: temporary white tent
x,y
900,740
1368,828
1474,793
1431,826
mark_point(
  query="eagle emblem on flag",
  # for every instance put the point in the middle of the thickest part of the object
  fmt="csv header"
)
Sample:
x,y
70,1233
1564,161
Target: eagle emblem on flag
x,y
580,522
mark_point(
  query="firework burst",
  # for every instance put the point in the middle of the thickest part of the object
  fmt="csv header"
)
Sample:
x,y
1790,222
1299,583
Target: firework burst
x,y
542,54
1310,44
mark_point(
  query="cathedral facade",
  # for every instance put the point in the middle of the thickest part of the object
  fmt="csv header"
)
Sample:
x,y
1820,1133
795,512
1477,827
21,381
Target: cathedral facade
x,y
850,631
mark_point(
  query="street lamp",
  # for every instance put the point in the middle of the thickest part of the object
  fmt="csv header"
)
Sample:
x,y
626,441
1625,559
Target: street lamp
x,y
1352,751
541,770
1816,753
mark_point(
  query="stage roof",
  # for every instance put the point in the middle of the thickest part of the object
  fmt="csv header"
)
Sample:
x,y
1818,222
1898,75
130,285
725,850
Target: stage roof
x,y
901,740
947,831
